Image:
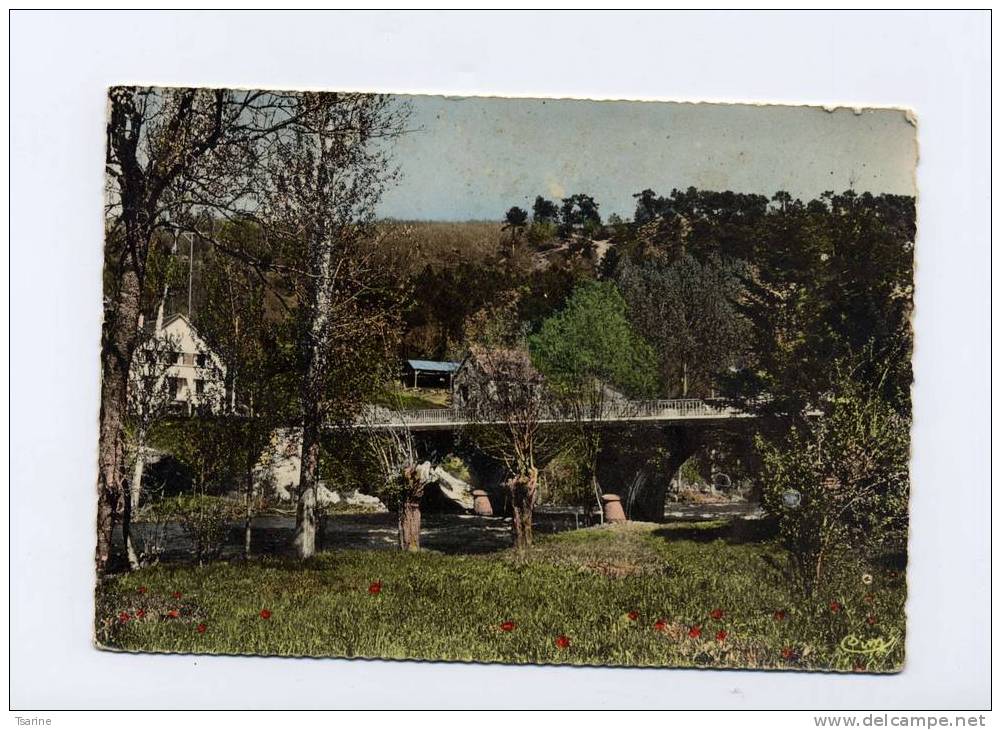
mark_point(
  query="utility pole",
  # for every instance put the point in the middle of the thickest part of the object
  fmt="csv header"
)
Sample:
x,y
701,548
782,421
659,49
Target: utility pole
x,y
191,268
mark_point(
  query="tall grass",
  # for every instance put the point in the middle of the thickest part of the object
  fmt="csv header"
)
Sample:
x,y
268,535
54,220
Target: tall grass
x,y
631,595
416,244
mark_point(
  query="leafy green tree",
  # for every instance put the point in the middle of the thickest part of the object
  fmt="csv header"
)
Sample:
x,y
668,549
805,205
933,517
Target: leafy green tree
x,y
700,222
829,280
687,310
515,221
323,185
591,338
649,207
544,211
584,350
579,216
257,344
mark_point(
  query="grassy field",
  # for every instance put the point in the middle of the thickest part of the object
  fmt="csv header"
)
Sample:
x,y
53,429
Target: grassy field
x,y
412,245
408,399
640,595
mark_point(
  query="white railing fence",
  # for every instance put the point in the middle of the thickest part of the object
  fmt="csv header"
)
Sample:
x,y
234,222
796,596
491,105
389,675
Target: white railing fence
x,y
647,410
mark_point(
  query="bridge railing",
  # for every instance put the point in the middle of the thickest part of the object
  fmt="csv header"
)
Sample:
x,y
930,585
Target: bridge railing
x,y
680,408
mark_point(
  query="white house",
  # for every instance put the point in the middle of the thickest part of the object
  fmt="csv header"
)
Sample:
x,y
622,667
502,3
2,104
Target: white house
x,y
193,376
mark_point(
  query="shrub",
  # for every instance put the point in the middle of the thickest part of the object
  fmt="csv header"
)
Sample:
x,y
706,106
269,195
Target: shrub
x,y
839,484
206,521
542,235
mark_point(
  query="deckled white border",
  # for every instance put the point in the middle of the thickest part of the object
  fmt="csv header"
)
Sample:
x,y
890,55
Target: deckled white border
x,y
935,64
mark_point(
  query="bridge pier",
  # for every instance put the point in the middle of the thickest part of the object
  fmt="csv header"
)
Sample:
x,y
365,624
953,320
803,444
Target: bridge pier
x,y
633,468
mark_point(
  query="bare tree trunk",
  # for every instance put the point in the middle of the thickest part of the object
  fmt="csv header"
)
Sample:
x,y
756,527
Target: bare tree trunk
x,y
305,512
119,342
522,525
130,548
410,524
596,488
131,501
137,470
249,513
523,489
321,253
415,478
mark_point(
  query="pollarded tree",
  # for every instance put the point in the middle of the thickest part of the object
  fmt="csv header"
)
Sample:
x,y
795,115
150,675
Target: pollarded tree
x,y
593,358
405,476
510,407
325,180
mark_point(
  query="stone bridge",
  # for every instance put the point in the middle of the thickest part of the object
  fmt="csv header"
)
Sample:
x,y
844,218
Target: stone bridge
x,y
637,467
678,411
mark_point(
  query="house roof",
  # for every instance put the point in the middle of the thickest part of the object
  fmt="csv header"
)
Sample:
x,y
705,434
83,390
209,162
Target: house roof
x,y
433,366
176,316
199,341
502,363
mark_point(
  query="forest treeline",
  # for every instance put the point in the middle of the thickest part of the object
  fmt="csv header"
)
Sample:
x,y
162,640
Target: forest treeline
x,y
739,295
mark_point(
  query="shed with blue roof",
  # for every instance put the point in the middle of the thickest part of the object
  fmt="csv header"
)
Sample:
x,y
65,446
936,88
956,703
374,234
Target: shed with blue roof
x,y
429,373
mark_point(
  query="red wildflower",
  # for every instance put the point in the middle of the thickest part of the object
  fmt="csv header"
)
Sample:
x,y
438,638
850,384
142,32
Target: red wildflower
x,y
695,632
871,620
265,614
835,606
508,626
779,615
177,595
140,613
173,613
716,614
633,615
375,588
787,652
201,628
141,589
868,598
659,625
562,642
721,636
858,667
124,617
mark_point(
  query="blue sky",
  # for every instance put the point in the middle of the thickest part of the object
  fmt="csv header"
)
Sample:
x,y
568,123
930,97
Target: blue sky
x,y
473,158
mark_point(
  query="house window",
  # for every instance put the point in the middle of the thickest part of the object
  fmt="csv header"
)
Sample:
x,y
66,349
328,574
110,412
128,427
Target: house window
x,y
200,387
177,387
188,358
201,360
